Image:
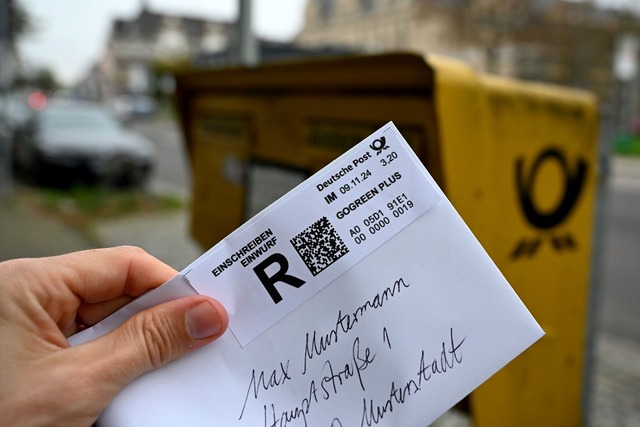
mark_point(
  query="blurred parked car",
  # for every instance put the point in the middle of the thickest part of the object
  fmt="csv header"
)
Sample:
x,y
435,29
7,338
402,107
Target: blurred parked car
x,y
81,141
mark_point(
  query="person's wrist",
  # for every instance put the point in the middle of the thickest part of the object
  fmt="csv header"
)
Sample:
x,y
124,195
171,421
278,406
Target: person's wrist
x,y
15,411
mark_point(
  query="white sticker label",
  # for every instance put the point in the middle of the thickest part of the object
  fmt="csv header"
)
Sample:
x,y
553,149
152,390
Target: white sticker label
x,y
300,244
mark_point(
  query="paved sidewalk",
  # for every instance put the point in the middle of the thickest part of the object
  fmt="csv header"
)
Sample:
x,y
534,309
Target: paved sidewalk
x,y
24,233
616,397
164,235
626,171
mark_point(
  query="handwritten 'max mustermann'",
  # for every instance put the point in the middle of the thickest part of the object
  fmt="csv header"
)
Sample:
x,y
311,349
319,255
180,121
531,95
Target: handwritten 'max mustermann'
x,y
316,346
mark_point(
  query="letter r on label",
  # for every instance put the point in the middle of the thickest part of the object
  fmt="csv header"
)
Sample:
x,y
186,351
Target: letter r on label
x,y
280,276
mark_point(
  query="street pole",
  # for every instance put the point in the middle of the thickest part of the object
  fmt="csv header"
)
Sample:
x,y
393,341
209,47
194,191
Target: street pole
x,y
248,48
625,68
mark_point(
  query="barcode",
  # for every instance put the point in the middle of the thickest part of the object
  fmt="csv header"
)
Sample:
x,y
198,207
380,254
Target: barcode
x,y
319,245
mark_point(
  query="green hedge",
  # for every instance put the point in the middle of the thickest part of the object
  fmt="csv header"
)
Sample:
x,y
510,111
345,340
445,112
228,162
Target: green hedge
x,y
627,145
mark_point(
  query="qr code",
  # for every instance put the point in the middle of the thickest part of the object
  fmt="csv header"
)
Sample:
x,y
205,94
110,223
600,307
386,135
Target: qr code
x,y
319,245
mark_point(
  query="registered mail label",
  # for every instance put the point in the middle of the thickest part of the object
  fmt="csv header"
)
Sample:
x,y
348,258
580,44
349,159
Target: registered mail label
x,y
294,248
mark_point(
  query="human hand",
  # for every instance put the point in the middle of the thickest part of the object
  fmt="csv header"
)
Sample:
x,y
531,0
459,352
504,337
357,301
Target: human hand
x,y
44,381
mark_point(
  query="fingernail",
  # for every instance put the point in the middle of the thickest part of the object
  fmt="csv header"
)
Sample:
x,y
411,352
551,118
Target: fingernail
x,y
203,321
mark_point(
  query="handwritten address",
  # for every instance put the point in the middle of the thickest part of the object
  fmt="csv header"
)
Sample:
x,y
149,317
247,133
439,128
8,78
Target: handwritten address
x,y
334,375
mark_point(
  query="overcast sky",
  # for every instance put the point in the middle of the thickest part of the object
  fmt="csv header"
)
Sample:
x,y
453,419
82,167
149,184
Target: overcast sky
x,y
71,34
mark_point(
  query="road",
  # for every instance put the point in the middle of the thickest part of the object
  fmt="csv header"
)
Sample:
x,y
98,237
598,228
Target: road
x,y
618,294
172,174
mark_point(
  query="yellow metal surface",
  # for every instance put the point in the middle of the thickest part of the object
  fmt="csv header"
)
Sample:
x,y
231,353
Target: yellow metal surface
x,y
295,117
517,160
520,162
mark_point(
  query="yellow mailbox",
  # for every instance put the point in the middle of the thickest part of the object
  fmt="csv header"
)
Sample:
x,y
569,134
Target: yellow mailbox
x,y
518,160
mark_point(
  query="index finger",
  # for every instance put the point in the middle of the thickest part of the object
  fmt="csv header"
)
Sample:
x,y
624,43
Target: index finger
x,y
104,274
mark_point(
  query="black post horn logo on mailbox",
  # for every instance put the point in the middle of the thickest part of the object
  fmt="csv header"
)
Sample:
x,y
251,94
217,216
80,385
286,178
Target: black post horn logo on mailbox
x,y
573,184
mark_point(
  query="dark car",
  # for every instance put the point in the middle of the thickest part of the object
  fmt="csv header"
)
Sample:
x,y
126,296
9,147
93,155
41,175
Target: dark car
x,y
82,141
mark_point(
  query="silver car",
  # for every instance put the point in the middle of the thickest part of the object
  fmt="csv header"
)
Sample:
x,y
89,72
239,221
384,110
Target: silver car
x,y
82,141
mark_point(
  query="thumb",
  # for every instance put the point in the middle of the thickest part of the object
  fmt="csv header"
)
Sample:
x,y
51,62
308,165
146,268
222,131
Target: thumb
x,y
155,337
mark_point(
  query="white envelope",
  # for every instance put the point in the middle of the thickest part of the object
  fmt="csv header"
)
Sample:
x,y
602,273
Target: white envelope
x,y
358,298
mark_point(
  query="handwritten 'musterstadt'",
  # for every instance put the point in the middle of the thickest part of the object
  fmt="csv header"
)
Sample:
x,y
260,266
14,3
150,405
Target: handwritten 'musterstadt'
x,y
328,379
360,298
331,376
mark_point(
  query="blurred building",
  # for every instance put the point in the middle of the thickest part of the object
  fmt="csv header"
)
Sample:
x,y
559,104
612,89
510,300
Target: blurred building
x,y
386,25
142,52
564,42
